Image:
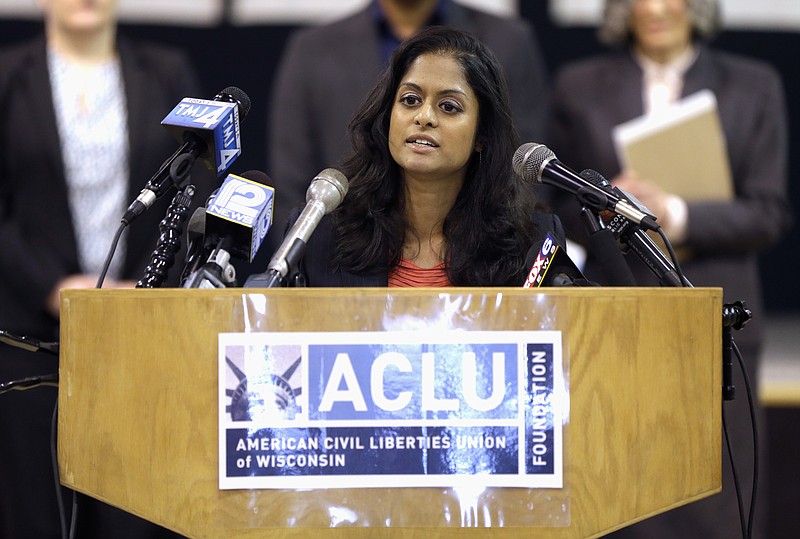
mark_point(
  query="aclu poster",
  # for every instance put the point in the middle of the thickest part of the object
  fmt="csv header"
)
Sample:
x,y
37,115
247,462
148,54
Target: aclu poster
x,y
391,409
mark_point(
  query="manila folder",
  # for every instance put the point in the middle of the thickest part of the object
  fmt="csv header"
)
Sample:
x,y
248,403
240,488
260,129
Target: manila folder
x,y
681,149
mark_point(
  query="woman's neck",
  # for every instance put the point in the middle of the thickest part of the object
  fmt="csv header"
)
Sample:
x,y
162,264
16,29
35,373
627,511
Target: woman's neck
x,y
664,56
426,209
86,49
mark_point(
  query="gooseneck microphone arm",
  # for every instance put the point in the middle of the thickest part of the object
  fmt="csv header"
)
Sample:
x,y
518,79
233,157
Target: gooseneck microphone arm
x,y
169,241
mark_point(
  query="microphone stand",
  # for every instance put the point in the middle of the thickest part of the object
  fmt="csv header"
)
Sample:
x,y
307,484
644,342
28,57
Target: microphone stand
x,y
217,272
602,240
631,235
273,278
171,227
734,315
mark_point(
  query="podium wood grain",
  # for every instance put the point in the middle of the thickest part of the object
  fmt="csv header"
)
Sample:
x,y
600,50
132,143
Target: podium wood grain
x,y
138,419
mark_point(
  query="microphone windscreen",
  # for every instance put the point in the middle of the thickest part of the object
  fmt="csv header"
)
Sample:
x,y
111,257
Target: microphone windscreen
x,y
551,266
529,159
196,227
604,248
236,95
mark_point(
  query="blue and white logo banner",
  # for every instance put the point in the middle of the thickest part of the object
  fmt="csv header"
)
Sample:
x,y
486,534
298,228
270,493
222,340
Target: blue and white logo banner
x,y
391,409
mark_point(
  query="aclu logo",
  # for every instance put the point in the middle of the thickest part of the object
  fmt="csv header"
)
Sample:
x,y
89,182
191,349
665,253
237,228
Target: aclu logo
x,y
444,381
263,383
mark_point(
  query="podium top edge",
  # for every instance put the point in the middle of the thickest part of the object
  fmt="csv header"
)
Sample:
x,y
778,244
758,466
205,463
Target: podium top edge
x,y
619,292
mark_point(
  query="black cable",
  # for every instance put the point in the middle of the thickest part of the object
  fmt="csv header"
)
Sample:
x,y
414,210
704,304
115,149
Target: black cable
x,y
746,523
754,423
735,316
736,485
54,458
73,526
674,258
62,514
110,255
59,495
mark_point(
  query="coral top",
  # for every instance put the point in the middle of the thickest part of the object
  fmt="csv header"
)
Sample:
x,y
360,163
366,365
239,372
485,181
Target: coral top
x,y
409,275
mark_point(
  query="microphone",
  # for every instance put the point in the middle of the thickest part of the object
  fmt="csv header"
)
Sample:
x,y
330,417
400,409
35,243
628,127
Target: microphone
x,y
241,211
605,249
233,224
211,127
207,130
28,343
632,235
537,163
551,266
326,192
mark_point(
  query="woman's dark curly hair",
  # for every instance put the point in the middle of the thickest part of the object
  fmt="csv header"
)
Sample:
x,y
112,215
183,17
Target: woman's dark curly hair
x,y
489,229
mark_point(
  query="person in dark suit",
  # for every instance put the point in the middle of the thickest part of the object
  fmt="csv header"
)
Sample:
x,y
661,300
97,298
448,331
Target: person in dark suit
x,y
664,56
325,72
79,138
432,199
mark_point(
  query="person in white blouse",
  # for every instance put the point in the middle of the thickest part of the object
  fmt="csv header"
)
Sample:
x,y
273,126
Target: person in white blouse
x,y
89,101
80,135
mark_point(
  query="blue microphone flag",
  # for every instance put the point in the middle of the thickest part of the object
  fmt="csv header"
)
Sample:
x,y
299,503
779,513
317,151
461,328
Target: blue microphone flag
x,y
215,122
242,209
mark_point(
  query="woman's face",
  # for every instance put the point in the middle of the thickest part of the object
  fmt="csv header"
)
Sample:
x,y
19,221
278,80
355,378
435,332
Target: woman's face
x,y
662,28
434,120
80,15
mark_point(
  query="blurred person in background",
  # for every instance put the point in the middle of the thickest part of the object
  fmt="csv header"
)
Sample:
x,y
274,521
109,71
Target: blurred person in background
x,y
80,136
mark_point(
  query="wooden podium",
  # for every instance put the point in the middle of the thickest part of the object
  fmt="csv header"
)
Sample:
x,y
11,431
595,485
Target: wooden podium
x,y
138,403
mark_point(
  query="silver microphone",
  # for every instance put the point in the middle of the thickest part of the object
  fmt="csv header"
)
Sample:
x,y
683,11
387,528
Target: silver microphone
x,y
326,192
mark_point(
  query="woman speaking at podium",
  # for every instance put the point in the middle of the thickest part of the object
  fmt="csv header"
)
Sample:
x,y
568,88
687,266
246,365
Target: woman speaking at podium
x,y
432,197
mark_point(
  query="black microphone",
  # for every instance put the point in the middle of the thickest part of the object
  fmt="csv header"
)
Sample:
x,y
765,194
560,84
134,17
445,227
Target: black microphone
x,y
197,251
632,235
537,163
207,130
326,192
551,266
605,249
234,223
